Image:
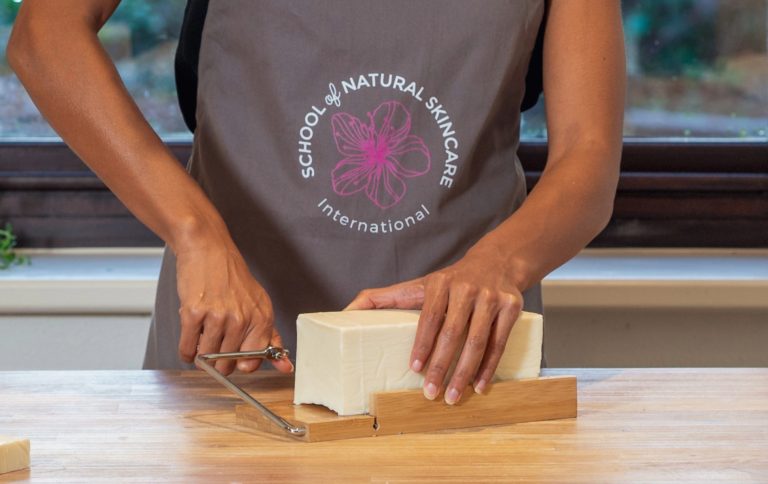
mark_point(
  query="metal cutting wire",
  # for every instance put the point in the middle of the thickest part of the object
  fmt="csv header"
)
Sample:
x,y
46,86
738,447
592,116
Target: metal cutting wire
x,y
268,353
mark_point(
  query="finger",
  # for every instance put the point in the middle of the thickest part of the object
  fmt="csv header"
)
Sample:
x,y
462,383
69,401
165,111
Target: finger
x,y
257,338
404,295
283,364
234,333
191,327
461,299
497,341
483,316
213,333
430,320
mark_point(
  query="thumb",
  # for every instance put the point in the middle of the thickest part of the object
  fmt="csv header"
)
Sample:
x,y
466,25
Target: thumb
x,y
405,295
284,364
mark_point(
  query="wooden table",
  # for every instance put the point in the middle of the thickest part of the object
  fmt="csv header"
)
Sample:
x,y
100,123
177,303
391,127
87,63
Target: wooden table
x,y
634,425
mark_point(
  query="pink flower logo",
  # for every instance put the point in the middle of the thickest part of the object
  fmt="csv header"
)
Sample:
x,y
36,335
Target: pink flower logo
x,y
378,156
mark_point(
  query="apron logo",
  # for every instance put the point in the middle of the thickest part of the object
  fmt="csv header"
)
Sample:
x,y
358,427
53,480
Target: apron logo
x,y
333,98
377,154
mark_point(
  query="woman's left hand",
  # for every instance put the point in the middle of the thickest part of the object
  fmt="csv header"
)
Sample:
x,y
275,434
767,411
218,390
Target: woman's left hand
x,y
471,304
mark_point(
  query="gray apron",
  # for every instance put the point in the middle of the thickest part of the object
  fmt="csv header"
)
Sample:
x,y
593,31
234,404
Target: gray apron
x,y
351,144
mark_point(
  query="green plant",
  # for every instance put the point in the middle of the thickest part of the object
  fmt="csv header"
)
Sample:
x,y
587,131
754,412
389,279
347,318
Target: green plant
x,y
8,254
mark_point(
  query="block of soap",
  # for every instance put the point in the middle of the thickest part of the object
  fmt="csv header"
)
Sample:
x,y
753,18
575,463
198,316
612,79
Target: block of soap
x,y
343,357
14,454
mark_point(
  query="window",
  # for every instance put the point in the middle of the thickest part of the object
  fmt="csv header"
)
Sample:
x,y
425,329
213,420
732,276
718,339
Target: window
x,y
695,159
705,74
140,37
696,69
694,169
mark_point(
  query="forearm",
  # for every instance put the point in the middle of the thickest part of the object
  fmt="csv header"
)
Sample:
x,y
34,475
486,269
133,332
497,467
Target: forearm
x,y
76,87
570,205
584,85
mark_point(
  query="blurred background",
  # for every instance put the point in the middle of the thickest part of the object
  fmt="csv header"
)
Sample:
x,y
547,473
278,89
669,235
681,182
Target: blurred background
x,y
678,278
697,68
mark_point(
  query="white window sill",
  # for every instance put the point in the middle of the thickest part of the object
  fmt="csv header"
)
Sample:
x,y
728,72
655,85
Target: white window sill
x,y
82,281
123,281
661,278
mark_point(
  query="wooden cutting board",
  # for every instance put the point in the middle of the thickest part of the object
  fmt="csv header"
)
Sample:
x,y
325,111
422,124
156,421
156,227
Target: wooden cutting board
x,y
505,402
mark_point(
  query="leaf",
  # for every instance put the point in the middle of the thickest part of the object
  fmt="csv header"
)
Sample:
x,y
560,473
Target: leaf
x,y
8,256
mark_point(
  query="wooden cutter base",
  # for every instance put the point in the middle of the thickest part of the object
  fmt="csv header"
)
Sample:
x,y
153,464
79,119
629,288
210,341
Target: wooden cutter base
x,y
505,402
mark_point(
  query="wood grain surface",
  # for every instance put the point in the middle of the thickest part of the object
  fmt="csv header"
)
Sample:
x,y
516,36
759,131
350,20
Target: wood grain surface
x,y
506,402
407,411
634,425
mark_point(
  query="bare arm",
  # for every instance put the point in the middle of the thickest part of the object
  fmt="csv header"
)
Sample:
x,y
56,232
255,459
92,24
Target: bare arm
x,y
56,54
584,82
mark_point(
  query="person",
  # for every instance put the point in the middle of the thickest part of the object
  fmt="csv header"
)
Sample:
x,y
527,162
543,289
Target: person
x,y
349,153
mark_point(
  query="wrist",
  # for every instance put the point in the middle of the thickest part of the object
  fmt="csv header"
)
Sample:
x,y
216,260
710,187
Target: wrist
x,y
198,233
519,271
516,269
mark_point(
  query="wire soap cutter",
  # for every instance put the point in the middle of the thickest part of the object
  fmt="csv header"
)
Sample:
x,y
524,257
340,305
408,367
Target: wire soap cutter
x,y
404,411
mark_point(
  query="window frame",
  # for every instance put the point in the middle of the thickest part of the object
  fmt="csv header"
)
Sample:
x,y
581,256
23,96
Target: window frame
x,y
692,193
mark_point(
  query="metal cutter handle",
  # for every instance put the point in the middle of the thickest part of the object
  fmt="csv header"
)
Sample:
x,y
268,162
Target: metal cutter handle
x,y
269,353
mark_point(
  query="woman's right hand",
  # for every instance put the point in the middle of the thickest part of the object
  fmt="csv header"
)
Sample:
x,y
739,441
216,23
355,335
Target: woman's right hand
x,y
223,308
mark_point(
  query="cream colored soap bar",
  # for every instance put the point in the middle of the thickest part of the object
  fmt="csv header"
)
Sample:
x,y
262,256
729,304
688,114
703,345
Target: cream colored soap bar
x,y
14,454
343,357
